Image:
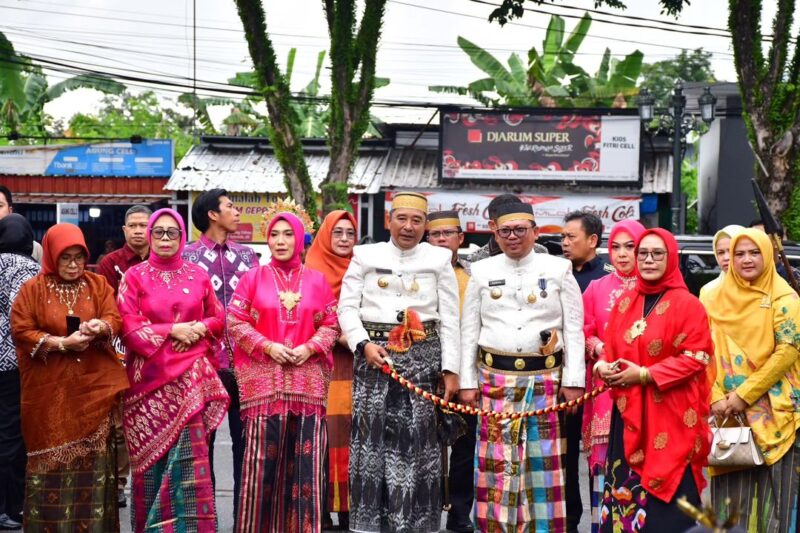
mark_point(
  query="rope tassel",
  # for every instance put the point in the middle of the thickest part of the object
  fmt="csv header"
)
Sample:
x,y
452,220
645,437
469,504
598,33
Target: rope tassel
x,y
389,370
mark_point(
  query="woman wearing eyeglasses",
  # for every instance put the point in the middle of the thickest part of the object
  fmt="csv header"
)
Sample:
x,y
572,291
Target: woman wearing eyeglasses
x,y
62,321
754,315
657,351
330,253
171,319
598,300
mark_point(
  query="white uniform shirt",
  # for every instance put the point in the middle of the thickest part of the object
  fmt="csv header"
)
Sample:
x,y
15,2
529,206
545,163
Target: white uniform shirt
x,y
511,323
436,297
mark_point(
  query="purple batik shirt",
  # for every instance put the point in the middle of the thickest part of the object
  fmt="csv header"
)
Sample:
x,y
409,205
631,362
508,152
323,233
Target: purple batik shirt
x,y
226,264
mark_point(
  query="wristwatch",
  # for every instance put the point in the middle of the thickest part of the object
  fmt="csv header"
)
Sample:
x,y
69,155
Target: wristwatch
x,y
360,346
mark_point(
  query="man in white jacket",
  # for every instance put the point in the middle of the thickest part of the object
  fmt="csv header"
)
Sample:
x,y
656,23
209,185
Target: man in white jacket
x,y
523,348
391,288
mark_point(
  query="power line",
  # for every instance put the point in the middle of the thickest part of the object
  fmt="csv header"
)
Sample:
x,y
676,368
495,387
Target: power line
x,y
630,41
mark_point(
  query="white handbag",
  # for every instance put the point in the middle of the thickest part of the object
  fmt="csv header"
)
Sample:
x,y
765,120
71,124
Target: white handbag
x,y
733,446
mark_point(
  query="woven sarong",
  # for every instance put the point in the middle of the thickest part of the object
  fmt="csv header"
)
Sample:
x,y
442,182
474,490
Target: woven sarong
x,y
176,493
282,474
519,474
80,496
395,456
766,496
339,413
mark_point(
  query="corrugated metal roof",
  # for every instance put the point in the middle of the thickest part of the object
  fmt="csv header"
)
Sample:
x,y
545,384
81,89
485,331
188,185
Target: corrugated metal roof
x,y
251,168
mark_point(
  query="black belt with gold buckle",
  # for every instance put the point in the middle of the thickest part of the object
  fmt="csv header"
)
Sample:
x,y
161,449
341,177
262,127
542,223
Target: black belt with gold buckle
x,y
379,331
522,363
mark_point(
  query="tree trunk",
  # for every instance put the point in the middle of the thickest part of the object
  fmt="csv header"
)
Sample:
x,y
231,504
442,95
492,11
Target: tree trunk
x,y
284,131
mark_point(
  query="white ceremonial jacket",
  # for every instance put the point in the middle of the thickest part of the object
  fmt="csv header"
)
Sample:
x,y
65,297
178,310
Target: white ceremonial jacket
x,y
425,268
509,322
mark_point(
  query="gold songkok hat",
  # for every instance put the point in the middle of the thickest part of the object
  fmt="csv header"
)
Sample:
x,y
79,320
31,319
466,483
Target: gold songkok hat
x,y
410,200
441,219
515,211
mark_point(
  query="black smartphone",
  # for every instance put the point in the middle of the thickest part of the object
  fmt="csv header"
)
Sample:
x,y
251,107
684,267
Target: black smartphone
x,y
73,324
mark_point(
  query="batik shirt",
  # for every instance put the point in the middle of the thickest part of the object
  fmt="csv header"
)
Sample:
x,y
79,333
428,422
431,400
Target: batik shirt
x,y
225,264
14,271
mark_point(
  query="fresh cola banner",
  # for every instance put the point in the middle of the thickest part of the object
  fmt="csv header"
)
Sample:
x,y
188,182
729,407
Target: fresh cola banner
x,y
548,210
560,146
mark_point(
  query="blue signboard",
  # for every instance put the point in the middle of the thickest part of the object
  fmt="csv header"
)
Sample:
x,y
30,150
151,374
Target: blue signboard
x,y
150,158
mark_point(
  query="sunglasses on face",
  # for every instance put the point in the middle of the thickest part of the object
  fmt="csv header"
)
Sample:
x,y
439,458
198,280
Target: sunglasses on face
x,y
171,233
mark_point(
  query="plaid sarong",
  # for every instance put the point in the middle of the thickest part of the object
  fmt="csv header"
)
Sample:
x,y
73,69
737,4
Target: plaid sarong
x,y
80,496
176,494
519,474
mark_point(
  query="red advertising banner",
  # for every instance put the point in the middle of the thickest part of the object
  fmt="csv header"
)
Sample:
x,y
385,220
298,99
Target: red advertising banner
x,y
558,146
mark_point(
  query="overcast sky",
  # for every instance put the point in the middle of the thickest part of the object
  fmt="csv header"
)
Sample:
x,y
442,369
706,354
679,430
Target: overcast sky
x,y
154,39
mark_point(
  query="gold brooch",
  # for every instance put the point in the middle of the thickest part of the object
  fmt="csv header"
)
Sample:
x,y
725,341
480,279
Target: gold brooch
x,y
531,298
519,364
496,293
638,328
383,282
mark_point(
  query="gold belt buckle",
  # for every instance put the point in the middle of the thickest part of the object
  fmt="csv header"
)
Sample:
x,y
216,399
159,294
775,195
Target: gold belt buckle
x,y
519,364
487,358
550,361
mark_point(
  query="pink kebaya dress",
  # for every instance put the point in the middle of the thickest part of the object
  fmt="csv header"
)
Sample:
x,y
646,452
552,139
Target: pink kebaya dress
x,y
176,399
283,405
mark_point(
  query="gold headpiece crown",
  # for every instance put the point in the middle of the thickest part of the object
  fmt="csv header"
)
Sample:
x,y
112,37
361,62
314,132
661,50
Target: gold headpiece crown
x,y
286,205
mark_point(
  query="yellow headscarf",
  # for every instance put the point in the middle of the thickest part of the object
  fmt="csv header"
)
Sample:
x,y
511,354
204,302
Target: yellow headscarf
x,y
728,232
737,306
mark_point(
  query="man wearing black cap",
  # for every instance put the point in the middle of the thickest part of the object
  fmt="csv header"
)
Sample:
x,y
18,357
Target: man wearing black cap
x,y
491,248
399,299
523,348
444,230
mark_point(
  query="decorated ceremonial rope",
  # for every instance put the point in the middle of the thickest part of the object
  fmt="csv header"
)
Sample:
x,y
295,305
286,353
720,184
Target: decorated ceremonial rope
x,y
389,370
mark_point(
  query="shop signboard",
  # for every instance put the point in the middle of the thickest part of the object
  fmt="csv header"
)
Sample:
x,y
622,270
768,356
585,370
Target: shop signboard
x,y
549,210
149,158
68,212
561,145
252,207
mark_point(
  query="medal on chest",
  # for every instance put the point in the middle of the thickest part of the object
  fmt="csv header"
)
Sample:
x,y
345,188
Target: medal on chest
x,y
638,328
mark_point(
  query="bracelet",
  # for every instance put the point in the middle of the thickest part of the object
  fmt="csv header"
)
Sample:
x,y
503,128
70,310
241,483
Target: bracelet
x,y
61,347
644,375
268,347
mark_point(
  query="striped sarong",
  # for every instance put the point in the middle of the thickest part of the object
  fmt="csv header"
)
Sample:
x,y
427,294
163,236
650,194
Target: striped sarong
x,y
176,494
80,496
282,473
339,417
767,496
395,454
519,474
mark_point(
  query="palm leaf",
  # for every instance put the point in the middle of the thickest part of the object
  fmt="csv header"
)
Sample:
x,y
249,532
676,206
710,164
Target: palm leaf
x,y
12,82
98,82
552,41
485,61
602,72
626,72
570,48
290,66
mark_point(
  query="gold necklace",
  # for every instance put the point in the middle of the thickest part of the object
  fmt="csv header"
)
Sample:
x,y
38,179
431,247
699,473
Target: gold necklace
x,y
289,299
67,293
640,326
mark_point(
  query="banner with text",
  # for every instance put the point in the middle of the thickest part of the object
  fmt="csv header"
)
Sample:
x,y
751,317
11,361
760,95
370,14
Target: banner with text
x,y
252,207
148,159
560,146
548,210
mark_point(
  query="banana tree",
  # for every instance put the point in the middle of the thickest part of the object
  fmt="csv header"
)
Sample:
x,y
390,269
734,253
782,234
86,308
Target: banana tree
x,y
551,77
24,91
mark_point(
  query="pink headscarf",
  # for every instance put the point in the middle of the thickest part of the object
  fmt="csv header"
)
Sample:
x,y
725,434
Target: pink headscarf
x,y
174,262
632,228
299,241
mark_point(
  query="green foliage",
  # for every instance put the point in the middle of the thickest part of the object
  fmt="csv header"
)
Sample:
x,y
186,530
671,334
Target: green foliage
x,y
142,114
689,188
550,78
659,77
514,9
24,92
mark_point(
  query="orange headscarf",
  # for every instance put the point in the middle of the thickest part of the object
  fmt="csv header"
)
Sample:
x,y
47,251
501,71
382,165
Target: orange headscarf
x,y
57,239
320,255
